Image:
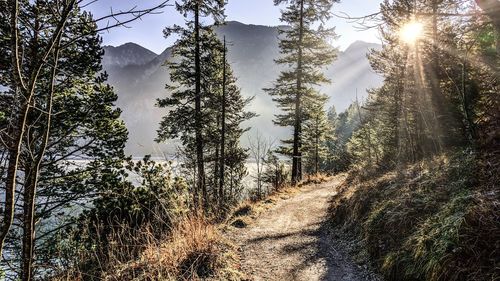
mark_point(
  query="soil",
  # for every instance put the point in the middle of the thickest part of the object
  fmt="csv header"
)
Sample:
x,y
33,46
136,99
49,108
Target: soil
x,y
292,241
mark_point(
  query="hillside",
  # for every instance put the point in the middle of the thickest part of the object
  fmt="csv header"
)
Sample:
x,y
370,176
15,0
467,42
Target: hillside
x,y
139,78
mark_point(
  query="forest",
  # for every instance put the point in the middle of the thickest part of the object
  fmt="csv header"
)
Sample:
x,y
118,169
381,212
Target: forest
x,y
402,185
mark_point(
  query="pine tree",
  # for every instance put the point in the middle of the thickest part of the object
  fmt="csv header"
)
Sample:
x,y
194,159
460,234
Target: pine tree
x,y
304,52
225,115
222,114
275,174
344,125
317,131
193,38
431,100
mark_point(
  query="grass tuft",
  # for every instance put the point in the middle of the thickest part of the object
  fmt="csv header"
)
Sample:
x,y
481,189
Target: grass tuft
x,y
195,250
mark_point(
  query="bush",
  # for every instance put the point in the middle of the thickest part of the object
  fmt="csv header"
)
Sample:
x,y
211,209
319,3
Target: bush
x,y
125,218
276,173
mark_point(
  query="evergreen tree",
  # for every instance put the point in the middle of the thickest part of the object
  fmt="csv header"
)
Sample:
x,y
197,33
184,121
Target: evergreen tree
x,y
432,101
226,111
193,53
192,45
275,174
222,115
317,131
338,158
304,52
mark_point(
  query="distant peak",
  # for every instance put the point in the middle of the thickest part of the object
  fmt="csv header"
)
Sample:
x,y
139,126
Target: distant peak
x,y
233,22
130,45
358,44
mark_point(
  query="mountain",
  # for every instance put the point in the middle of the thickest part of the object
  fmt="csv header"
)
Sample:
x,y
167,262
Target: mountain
x,y
127,54
139,77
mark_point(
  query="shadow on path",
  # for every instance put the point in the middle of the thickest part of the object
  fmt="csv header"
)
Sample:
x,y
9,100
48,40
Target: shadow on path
x,y
293,241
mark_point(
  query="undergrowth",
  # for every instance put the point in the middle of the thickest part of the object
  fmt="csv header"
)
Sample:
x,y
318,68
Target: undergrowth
x,y
195,250
435,220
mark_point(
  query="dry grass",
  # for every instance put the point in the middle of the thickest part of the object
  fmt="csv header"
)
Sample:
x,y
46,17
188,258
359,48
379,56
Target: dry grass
x,y
435,220
195,250
247,211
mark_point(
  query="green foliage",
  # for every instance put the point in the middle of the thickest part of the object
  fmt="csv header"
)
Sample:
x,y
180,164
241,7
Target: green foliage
x,y
159,196
316,132
84,150
338,158
305,51
431,101
180,121
149,198
275,174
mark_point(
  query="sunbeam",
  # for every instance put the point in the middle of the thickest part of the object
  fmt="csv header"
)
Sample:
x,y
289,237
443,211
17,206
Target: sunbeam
x,y
411,32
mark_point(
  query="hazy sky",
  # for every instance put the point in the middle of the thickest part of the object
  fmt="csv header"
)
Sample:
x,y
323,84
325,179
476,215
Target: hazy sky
x,y
148,31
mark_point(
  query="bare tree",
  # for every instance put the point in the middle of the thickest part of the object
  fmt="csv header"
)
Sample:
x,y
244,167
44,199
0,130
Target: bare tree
x,y
259,148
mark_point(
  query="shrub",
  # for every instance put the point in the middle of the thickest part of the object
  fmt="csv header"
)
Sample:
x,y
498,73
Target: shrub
x,y
125,218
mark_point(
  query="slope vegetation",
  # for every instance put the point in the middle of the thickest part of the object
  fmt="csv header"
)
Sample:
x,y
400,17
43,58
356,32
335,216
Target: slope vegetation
x,y
436,220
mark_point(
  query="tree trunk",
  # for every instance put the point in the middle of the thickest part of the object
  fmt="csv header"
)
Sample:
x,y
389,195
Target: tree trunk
x,y
201,186
316,153
297,157
216,199
28,224
32,182
223,129
439,108
26,92
16,134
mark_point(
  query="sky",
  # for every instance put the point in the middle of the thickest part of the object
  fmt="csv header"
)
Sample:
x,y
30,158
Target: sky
x,y
148,31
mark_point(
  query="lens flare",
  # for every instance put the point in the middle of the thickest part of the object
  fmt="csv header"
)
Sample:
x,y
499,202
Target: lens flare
x,y
411,32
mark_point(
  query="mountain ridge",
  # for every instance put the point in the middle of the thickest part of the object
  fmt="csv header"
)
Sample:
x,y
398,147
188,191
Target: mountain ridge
x,y
252,51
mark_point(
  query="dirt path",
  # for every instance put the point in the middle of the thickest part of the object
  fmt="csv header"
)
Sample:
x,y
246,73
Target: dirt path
x,y
291,242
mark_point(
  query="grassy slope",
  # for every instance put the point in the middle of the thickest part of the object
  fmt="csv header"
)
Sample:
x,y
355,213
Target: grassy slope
x,y
438,220
194,250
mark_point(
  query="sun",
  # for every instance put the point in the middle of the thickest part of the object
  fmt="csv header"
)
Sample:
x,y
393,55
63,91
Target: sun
x,y
411,31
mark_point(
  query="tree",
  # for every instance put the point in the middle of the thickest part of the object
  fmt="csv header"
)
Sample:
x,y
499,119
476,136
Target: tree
x,y
492,9
223,112
228,107
434,99
143,204
190,48
338,158
316,132
260,148
304,52
58,110
275,173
